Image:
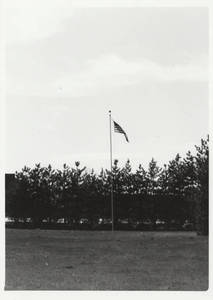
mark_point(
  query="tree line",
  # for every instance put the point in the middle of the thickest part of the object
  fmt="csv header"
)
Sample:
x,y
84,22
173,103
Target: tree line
x,y
176,192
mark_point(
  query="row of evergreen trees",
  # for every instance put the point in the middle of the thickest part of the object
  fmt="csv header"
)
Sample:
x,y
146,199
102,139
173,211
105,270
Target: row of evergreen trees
x,y
178,191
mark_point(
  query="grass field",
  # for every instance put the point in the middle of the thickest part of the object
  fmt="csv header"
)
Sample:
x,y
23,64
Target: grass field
x,y
98,260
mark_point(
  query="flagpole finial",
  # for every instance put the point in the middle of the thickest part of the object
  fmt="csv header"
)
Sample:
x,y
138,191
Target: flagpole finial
x,y
110,111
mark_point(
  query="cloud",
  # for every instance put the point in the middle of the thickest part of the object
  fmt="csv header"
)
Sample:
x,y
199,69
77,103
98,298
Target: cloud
x,y
109,71
57,51
28,20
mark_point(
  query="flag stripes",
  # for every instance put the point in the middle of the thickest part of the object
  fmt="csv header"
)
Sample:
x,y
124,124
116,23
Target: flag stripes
x,y
119,129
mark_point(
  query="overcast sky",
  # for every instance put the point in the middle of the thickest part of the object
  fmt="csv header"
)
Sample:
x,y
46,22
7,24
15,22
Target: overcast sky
x,y
67,66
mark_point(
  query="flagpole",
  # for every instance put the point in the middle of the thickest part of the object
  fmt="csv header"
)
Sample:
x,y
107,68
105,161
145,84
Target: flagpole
x,y
112,211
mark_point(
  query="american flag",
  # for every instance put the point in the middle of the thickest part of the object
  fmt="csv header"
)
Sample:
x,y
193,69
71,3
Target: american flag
x,y
117,128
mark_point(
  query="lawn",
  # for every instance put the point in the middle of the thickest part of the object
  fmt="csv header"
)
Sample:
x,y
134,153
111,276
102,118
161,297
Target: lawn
x,y
98,260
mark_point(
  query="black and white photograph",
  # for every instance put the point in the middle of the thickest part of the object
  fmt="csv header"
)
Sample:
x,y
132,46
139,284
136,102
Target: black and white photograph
x,y
106,146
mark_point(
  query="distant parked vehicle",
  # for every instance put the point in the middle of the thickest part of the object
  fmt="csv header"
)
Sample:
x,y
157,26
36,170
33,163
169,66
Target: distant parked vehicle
x,y
123,224
9,220
123,221
100,221
160,224
175,225
21,220
59,221
187,225
107,221
17,222
134,224
147,224
45,221
104,223
29,220
84,221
